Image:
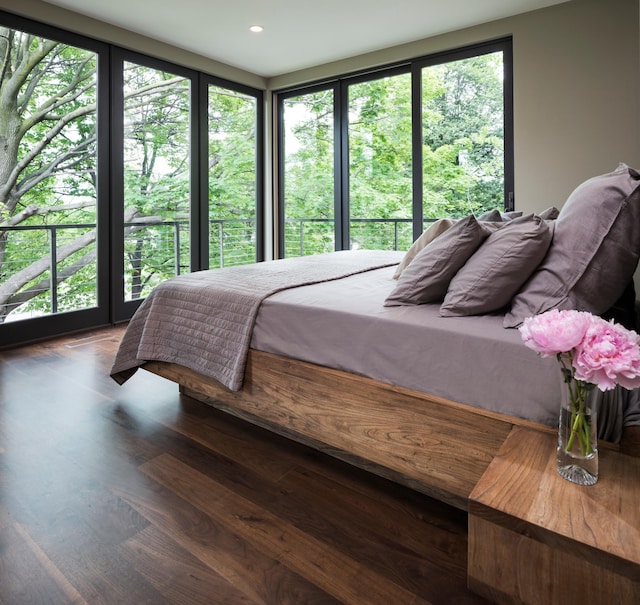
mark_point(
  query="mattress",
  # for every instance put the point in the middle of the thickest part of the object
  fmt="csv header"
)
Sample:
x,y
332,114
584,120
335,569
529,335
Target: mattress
x,y
473,360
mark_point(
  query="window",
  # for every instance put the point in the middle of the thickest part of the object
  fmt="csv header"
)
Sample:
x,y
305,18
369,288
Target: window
x,y
49,210
427,139
380,163
463,148
117,171
157,172
308,222
233,136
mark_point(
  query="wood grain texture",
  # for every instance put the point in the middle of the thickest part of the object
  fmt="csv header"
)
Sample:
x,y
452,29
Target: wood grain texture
x,y
135,494
535,537
435,446
509,567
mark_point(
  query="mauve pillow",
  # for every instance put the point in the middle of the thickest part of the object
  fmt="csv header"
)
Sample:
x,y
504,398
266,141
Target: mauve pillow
x,y
594,253
430,233
426,278
509,216
492,216
497,270
550,214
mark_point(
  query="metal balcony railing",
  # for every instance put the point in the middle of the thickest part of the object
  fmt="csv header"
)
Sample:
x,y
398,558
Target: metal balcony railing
x,y
313,235
160,249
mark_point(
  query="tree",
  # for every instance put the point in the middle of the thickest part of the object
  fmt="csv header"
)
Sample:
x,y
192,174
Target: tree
x,y
462,124
463,135
380,161
48,168
47,131
232,177
308,169
156,176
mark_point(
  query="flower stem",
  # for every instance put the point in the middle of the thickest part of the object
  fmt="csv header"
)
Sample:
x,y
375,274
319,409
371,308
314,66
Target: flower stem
x,y
580,422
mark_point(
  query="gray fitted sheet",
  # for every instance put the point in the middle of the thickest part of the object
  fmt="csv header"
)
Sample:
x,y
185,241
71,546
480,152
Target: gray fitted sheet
x,y
472,360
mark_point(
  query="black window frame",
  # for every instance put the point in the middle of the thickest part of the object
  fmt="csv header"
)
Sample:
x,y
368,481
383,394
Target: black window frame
x,y
123,309
206,80
47,326
111,307
340,85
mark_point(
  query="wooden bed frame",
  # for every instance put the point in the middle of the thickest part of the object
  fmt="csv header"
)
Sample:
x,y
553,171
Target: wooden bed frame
x,y
433,445
457,454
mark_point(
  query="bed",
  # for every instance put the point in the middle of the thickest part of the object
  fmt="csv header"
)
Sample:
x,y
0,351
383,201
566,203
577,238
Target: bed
x,y
359,394
405,364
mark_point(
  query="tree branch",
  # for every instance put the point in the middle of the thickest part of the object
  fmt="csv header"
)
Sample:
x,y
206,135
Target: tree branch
x,y
45,284
33,210
9,287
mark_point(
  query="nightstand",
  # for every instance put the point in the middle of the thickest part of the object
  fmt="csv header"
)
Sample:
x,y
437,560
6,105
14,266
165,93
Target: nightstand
x,y
537,538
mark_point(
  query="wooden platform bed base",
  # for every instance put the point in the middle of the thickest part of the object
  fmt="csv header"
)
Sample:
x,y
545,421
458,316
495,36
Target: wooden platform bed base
x,y
432,445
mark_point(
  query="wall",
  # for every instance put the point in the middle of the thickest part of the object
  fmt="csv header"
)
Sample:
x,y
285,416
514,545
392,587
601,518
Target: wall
x,y
576,91
576,84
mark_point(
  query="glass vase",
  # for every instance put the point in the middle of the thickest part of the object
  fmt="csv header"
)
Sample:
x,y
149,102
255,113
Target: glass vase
x,y
577,454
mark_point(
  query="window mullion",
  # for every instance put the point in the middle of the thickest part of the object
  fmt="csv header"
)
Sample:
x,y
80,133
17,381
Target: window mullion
x,y
416,150
341,104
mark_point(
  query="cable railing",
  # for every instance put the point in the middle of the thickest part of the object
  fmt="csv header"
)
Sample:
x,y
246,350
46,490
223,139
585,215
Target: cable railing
x,y
52,268
315,235
36,263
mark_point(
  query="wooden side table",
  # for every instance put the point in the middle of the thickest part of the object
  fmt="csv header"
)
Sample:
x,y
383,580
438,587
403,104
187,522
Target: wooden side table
x,y
537,538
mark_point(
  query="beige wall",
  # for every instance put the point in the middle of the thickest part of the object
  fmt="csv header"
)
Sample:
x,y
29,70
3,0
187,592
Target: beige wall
x,y
576,84
576,96
576,91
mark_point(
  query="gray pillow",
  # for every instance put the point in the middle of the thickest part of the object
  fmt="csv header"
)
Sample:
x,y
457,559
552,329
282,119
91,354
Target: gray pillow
x,y
426,278
493,216
430,233
594,253
509,216
497,270
550,214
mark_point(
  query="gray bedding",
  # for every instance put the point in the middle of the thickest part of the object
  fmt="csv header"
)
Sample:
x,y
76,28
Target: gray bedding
x,y
204,320
472,360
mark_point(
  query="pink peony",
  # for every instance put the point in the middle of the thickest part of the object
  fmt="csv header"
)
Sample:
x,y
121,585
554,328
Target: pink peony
x,y
608,355
555,332
591,352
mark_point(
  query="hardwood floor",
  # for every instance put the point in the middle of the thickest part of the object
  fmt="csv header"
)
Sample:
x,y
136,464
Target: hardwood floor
x,y
133,494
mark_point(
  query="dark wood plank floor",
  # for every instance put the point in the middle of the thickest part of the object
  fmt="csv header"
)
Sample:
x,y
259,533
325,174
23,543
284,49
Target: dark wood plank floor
x,y
133,494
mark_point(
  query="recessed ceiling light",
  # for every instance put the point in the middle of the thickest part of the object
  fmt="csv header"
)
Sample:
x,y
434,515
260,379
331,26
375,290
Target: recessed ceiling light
x,y
256,28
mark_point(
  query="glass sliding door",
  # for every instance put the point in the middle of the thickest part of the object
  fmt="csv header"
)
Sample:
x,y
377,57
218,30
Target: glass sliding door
x,y
307,224
233,135
426,139
48,179
463,136
117,171
157,177
380,163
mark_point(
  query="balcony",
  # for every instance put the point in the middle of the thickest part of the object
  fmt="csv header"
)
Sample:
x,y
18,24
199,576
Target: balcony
x,y
50,269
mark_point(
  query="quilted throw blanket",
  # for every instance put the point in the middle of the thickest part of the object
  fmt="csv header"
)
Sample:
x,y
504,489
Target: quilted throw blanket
x,y
204,320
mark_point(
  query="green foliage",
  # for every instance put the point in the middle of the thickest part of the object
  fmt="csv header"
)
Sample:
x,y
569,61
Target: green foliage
x,y
463,153
308,177
232,177
47,164
48,175
380,148
232,154
156,176
48,167
463,150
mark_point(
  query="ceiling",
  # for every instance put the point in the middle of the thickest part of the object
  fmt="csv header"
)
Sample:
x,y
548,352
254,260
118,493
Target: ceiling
x,y
297,33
